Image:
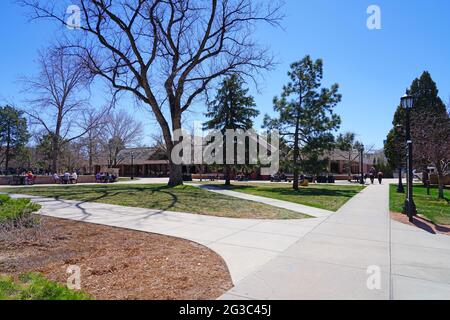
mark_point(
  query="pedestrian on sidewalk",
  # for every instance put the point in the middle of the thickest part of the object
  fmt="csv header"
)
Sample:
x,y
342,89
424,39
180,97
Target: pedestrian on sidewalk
x,y
380,177
372,173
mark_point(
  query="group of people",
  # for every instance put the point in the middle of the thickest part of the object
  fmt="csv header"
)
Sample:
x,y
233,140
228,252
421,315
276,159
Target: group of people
x,y
105,177
373,173
66,178
28,178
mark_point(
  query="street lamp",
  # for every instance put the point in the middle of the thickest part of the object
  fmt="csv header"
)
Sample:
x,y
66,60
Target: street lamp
x,y
361,163
132,165
407,102
400,188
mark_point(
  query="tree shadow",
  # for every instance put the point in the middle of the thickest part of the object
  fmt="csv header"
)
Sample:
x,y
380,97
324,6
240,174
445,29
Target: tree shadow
x,y
309,191
103,193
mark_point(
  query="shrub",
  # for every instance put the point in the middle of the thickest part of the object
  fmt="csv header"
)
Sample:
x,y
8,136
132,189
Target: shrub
x,y
4,198
15,213
33,286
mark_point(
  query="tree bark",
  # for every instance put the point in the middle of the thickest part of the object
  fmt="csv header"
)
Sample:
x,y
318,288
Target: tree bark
x,y
441,183
227,175
8,149
55,154
176,170
296,156
176,175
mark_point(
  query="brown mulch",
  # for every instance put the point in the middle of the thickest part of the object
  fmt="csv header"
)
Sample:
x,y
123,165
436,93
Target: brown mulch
x,y
422,223
116,264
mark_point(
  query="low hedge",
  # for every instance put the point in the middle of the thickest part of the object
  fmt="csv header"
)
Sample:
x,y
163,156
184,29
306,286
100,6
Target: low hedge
x,y
33,286
16,213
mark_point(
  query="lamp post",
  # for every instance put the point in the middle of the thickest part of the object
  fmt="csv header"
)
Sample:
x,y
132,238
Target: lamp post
x,y
400,188
132,165
407,102
361,163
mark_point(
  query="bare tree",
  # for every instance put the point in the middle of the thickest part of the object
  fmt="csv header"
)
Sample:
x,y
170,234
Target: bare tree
x,y
431,135
94,122
57,101
348,150
167,53
121,131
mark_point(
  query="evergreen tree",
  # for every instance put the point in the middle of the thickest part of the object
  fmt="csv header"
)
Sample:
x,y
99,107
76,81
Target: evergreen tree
x,y
426,95
394,149
13,134
306,119
429,130
232,109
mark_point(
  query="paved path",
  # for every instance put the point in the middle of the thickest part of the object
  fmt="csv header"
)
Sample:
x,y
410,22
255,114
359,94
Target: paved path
x,y
332,261
245,245
314,212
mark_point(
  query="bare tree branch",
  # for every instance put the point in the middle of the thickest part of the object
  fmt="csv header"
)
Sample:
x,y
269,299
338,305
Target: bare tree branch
x,y
166,52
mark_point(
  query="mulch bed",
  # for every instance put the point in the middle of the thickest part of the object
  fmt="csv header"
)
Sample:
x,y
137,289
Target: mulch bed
x,y
116,264
422,223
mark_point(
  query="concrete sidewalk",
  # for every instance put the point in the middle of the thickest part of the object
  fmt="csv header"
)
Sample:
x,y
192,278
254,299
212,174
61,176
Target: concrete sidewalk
x,y
244,244
311,211
332,261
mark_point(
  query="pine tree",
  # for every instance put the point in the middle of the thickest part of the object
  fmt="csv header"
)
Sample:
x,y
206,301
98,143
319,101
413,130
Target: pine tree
x,y
429,137
306,118
232,109
13,133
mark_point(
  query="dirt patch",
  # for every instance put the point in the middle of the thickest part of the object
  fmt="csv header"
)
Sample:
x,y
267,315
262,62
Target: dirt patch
x,y
116,264
422,223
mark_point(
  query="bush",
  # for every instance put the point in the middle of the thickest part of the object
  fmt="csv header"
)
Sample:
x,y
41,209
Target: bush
x,y
4,198
15,213
33,286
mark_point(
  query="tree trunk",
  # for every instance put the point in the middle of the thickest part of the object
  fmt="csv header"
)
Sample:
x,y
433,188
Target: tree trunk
x,y
227,175
91,158
441,183
425,176
296,156
8,149
7,152
55,155
349,165
176,175
176,170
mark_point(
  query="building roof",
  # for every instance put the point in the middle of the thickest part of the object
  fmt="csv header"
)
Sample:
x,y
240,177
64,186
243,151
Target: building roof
x,y
142,156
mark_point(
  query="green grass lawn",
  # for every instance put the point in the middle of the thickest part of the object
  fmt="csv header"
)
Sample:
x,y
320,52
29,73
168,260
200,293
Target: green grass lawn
x,y
180,199
328,197
429,206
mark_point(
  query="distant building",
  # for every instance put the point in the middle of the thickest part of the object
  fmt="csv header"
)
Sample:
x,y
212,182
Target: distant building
x,y
339,160
147,162
153,162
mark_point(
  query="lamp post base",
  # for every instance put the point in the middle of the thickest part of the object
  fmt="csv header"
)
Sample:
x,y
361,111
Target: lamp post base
x,y
410,206
400,188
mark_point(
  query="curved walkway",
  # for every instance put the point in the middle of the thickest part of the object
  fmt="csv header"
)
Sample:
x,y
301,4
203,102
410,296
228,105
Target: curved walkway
x,y
245,245
311,211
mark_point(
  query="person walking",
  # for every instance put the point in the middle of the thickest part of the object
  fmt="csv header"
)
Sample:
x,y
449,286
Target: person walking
x,y
380,177
372,173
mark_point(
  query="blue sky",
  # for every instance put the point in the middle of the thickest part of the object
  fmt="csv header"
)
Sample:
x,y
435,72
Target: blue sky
x,y
373,67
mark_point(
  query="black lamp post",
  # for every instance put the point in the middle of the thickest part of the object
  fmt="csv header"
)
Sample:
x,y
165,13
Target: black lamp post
x,y
361,163
132,165
407,102
400,188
